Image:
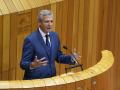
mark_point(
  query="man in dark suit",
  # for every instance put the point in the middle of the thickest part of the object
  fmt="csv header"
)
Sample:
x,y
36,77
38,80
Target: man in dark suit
x,y
41,49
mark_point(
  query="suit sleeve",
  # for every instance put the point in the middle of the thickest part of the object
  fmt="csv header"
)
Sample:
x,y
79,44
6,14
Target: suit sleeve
x,y
27,54
62,58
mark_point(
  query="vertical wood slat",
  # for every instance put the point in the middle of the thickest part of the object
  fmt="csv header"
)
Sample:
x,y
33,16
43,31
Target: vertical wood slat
x,y
1,45
53,9
13,47
80,28
58,30
68,79
6,46
117,48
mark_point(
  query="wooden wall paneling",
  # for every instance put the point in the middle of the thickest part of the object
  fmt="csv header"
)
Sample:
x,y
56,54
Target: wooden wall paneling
x,y
10,5
102,33
64,25
3,7
75,24
25,4
50,84
20,40
75,28
13,46
85,33
97,15
95,32
39,84
117,48
18,5
80,29
70,82
88,28
6,46
23,30
110,41
69,31
105,24
70,24
1,45
53,9
19,71
90,32
24,21
34,20
59,67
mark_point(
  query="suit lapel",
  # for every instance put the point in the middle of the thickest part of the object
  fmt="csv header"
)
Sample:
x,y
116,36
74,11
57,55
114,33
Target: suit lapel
x,y
53,43
43,43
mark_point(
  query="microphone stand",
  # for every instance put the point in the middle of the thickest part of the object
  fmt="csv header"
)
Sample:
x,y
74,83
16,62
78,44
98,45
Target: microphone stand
x,y
78,64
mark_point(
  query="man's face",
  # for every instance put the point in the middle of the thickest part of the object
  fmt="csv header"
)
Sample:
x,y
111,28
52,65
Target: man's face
x,y
46,24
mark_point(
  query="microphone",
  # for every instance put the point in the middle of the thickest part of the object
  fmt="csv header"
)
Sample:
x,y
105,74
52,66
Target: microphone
x,y
74,58
72,54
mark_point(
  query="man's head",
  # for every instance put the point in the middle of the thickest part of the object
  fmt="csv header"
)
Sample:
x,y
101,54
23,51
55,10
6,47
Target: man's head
x,y
45,20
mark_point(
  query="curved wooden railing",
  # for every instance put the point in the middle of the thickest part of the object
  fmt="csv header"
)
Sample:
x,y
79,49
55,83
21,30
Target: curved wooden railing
x,y
61,81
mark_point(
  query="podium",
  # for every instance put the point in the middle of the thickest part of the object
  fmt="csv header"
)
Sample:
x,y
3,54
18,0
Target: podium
x,y
68,81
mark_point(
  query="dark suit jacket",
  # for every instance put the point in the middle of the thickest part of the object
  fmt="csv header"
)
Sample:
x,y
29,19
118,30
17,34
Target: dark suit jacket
x,y
34,45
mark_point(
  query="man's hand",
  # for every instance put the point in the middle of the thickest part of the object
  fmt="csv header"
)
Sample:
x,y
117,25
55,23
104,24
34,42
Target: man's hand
x,y
38,62
75,57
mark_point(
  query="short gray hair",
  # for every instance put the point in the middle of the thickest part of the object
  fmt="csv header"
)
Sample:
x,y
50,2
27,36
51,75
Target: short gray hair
x,y
43,13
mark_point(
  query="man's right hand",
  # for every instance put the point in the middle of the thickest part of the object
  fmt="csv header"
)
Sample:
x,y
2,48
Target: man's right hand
x,y
38,62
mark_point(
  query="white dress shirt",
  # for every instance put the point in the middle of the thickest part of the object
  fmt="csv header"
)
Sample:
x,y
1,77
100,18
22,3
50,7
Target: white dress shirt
x,y
44,37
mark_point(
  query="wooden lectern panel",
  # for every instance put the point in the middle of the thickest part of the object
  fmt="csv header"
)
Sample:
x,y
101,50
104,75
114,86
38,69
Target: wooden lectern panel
x,y
70,82
3,7
39,84
10,5
4,85
61,84
50,84
27,85
15,85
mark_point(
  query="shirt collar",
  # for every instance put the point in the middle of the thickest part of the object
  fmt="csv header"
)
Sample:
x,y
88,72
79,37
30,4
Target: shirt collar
x,y
42,33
